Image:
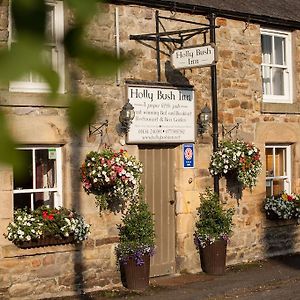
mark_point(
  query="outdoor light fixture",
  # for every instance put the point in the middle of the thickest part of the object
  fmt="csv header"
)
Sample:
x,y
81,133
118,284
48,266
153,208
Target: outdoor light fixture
x,y
126,116
203,119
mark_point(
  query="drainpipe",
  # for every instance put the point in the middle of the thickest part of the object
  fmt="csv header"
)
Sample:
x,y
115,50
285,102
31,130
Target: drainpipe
x,y
117,41
214,97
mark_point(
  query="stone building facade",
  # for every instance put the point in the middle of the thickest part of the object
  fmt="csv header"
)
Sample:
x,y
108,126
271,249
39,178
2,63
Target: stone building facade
x,y
269,123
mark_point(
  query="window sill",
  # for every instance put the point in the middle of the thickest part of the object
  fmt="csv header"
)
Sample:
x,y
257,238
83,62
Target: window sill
x,y
14,251
280,108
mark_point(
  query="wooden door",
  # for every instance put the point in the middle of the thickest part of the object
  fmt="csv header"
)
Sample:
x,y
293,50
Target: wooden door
x,y
158,182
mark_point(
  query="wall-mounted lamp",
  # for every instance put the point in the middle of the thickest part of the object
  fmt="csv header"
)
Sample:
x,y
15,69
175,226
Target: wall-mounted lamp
x,y
126,116
203,119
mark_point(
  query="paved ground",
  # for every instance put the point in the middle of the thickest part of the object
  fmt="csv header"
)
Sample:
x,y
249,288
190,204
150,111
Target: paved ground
x,y
276,279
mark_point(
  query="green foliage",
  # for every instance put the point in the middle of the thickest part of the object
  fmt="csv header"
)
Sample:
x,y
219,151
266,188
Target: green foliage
x,y
137,233
76,115
26,55
213,221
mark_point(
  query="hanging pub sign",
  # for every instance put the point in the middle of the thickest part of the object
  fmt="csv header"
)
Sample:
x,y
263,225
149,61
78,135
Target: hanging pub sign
x,y
163,114
196,56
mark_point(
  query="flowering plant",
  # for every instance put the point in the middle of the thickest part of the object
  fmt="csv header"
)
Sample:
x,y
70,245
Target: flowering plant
x,y
46,222
240,157
213,222
284,206
113,177
136,234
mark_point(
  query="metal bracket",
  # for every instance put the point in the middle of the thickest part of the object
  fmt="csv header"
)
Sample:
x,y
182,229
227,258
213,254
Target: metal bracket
x,y
175,37
97,129
228,132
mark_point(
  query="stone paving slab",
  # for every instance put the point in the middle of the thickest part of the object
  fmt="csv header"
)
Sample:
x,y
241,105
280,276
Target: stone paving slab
x,y
275,279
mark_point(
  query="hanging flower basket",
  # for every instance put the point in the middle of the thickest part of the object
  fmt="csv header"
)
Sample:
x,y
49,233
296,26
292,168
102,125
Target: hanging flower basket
x,y
46,226
237,157
112,176
282,207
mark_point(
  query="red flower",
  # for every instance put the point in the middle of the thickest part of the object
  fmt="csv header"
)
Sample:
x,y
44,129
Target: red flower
x,y
51,217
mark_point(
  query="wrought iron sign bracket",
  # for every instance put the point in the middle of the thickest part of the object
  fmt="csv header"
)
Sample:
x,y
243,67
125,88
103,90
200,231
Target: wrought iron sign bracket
x,y
97,129
171,39
228,132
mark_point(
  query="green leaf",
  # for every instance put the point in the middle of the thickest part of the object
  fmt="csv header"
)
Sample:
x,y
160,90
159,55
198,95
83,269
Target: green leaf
x,y
51,77
96,61
81,113
8,153
22,58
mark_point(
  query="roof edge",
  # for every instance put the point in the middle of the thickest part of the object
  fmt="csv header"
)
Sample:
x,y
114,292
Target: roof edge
x,y
204,10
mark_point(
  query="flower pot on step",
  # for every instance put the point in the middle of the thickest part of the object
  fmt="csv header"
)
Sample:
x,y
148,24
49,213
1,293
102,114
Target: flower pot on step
x,y
213,257
133,276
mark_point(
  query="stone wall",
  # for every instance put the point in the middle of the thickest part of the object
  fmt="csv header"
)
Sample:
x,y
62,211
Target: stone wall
x,y
26,274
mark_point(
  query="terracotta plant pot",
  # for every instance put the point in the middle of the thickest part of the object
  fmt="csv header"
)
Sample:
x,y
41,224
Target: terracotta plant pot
x,y
213,257
135,277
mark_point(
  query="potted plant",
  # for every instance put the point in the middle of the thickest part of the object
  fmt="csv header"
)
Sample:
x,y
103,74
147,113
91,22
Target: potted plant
x,y
282,207
112,176
46,226
239,158
212,230
136,245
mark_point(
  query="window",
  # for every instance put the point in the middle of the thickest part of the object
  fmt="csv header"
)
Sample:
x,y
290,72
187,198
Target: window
x,y
54,52
276,66
41,184
278,169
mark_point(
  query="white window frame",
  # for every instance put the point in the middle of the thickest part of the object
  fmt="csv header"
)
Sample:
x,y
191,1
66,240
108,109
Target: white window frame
x,y
288,78
57,190
286,177
58,57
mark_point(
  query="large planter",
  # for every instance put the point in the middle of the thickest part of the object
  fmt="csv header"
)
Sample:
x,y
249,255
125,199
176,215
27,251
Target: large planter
x,y
135,277
47,241
213,257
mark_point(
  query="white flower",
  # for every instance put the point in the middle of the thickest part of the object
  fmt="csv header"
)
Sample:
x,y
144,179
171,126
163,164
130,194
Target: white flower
x,y
93,159
28,237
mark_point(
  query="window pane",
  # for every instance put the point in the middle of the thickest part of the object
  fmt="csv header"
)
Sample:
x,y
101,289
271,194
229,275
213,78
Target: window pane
x,y
279,44
278,186
45,198
269,188
45,168
266,42
277,81
50,30
269,162
24,180
280,162
266,72
22,201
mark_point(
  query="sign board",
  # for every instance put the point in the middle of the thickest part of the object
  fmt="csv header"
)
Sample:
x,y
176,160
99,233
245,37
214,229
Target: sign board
x,y
51,153
188,156
162,114
197,56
